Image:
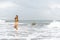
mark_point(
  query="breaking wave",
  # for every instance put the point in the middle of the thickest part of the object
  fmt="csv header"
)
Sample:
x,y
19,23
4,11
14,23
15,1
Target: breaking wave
x,y
54,24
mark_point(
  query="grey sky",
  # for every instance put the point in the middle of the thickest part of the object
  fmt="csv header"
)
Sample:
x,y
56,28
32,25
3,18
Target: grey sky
x,y
30,9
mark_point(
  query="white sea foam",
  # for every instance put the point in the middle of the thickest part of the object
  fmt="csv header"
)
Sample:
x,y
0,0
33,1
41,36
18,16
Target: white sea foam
x,y
54,24
2,21
8,32
24,32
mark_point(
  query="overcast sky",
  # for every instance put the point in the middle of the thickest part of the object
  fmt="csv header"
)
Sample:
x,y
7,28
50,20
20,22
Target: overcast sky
x,y
30,9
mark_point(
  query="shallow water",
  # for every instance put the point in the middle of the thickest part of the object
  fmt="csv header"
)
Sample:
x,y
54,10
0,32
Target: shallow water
x,y
29,32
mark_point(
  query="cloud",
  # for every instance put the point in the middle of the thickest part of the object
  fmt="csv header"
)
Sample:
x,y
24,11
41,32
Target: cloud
x,y
7,4
53,6
54,10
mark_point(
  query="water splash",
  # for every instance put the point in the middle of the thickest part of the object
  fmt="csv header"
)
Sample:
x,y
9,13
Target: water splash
x,y
2,21
54,24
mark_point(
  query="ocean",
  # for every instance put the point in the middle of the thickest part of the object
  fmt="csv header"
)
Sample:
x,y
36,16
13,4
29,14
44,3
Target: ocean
x,y
32,21
30,30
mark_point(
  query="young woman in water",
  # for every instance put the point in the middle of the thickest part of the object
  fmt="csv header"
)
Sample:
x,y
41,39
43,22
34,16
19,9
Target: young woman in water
x,y
16,22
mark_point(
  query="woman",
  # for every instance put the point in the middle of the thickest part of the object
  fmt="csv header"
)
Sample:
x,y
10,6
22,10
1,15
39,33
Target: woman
x,y
16,22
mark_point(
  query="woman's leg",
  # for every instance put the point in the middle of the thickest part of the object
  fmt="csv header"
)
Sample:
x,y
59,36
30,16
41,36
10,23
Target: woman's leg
x,y
16,25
